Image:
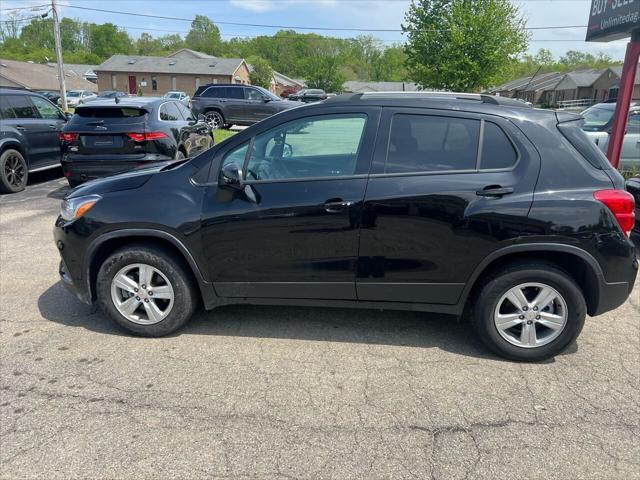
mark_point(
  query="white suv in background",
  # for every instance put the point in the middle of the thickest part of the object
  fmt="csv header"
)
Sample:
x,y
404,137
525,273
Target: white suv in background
x,y
598,121
76,97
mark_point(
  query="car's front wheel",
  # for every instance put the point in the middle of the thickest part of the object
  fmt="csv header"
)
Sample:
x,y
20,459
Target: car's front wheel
x,y
146,290
13,171
529,311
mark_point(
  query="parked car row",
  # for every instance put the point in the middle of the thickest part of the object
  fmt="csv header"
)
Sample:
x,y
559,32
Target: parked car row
x,y
429,202
102,137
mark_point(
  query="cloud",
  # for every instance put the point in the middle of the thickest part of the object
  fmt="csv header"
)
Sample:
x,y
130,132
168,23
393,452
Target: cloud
x,y
254,5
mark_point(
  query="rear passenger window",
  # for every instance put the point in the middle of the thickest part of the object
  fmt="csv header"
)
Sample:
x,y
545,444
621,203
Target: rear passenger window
x,y
214,92
169,112
497,150
5,109
426,143
234,92
22,106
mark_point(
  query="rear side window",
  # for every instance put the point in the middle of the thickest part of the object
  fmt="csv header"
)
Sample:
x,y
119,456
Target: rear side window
x,y
497,149
587,148
46,108
233,92
22,106
169,112
5,109
426,143
215,92
111,112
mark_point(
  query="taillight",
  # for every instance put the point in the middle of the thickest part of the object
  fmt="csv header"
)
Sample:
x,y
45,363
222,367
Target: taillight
x,y
622,206
67,137
141,137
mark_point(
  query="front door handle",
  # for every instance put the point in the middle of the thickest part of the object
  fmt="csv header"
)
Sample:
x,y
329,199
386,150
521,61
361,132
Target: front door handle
x,y
53,126
20,127
336,205
494,191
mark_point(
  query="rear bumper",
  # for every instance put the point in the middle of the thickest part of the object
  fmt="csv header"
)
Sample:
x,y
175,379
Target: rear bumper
x,y
613,294
79,169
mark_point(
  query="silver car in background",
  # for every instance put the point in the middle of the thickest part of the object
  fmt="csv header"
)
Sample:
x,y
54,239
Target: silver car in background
x,y
180,96
598,122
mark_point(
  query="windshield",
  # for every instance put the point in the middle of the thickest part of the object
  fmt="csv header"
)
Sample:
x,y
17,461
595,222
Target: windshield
x,y
108,94
172,95
73,93
596,118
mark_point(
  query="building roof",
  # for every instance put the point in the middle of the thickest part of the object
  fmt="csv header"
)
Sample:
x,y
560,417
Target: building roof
x,y
618,71
188,53
180,64
38,76
361,87
281,79
579,78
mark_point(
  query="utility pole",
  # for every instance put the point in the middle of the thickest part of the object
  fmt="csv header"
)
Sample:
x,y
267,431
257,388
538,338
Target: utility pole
x,y
56,31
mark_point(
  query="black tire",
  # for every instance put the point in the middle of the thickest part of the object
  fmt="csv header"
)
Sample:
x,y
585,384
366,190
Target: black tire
x,y
215,119
14,171
184,288
521,273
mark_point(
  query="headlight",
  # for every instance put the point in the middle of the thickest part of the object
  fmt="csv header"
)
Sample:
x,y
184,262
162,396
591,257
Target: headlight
x,y
73,208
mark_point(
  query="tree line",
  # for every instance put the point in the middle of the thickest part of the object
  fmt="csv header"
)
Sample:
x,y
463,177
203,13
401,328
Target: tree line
x,y
461,45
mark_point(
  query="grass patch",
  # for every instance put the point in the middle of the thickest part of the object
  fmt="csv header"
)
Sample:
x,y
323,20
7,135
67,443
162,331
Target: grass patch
x,y
220,135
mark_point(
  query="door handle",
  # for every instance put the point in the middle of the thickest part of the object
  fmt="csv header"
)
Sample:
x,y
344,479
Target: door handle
x,y
494,191
52,126
20,127
336,206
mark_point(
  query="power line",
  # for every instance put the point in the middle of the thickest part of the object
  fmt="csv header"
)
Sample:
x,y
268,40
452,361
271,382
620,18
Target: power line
x,y
32,7
292,27
26,19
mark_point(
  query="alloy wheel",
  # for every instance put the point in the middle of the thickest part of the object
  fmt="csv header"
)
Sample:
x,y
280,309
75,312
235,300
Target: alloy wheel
x,y
530,315
14,170
214,120
142,294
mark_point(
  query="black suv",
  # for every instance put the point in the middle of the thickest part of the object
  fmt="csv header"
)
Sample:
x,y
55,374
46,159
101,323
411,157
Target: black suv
x,y
29,127
308,95
450,203
226,105
111,136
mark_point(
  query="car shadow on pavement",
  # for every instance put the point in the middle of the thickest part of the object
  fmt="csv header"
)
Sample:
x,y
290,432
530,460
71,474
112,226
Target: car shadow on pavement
x,y
374,327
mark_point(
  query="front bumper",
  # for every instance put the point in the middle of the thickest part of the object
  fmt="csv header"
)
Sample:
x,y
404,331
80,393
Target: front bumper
x,y
70,268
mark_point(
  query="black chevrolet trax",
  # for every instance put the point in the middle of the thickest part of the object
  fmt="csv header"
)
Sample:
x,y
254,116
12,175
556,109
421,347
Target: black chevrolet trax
x,y
454,203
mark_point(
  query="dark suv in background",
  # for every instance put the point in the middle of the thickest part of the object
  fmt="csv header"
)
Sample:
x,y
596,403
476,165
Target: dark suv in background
x,y
29,127
226,105
110,136
449,203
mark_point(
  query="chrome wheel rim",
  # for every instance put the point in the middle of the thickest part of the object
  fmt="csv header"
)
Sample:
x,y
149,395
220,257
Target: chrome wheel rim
x,y
530,315
142,294
14,170
213,119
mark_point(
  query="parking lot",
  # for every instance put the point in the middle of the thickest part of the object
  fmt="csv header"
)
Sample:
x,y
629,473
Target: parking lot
x,y
284,392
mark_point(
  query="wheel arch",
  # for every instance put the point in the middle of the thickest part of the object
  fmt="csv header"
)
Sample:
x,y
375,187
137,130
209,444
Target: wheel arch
x,y
579,264
14,144
106,244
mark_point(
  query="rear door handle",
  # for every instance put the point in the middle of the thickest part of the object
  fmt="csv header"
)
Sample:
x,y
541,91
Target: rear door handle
x,y
494,191
20,127
336,206
53,126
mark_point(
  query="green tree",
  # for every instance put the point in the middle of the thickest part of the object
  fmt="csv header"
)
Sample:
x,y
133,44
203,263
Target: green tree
x,y
106,40
322,68
261,72
462,45
204,36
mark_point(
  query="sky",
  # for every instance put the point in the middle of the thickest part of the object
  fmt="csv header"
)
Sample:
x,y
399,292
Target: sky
x,y
332,14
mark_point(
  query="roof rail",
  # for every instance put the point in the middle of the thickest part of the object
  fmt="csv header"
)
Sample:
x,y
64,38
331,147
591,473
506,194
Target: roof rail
x,y
484,98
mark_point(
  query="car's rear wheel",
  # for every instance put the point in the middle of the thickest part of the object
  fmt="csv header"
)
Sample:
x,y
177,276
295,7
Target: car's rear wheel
x,y
214,119
529,311
14,172
146,290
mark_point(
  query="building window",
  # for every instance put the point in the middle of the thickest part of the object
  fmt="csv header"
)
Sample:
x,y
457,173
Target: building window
x,y
215,80
613,93
154,83
197,83
114,81
174,83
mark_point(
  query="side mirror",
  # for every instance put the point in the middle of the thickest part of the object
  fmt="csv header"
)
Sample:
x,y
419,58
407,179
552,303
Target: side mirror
x,y
231,175
68,115
266,99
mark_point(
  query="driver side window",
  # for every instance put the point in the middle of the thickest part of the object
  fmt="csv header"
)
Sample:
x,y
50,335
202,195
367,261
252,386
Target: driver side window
x,y
322,146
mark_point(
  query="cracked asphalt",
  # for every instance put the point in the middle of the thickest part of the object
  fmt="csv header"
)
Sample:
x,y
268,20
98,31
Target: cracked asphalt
x,y
271,392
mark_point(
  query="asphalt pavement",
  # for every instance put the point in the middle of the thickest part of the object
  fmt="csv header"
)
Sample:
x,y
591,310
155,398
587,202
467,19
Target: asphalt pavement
x,y
275,392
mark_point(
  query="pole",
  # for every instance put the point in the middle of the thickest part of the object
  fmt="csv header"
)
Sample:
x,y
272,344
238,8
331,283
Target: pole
x,y
627,78
56,31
